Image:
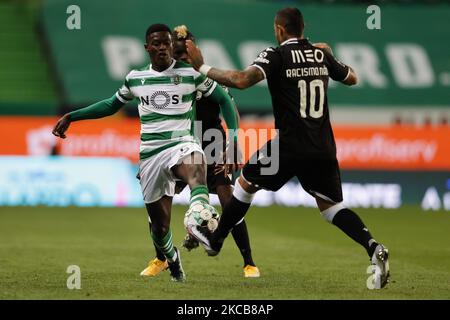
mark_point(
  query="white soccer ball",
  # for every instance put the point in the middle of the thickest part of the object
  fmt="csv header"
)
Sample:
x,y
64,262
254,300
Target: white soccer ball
x,y
203,215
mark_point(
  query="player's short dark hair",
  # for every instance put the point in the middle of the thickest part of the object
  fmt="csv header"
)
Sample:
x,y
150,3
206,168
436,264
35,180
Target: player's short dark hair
x,y
157,27
292,20
182,33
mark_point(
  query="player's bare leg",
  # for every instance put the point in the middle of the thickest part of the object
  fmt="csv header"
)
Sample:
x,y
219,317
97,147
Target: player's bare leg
x,y
240,234
159,213
158,264
352,225
191,170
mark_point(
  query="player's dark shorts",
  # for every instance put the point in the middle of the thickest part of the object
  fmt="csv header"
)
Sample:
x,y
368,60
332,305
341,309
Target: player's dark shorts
x,y
319,176
214,180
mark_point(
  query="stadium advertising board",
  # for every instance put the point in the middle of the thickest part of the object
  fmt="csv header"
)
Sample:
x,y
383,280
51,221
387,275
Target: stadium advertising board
x,y
370,148
393,147
57,181
403,64
33,136
108,182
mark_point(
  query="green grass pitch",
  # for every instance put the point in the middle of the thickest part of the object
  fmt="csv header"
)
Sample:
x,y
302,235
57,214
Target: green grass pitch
x,y
300,256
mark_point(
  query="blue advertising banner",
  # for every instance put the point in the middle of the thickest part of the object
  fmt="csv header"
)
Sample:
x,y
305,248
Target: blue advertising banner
x,y
111,182
61,181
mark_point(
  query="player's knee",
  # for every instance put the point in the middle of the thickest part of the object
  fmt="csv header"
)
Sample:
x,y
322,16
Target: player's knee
x,y
242,193
197,175
329,213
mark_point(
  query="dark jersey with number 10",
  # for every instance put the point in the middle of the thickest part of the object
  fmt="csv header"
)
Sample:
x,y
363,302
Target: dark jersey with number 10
x,y
297,74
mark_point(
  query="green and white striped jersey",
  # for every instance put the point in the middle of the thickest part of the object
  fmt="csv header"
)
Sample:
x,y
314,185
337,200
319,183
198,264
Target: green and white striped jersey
x,y
166,104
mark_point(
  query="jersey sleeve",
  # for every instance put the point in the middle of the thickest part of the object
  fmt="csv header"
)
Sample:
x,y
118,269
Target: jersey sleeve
x,y
97,110
268,61
124,93
227,107
337,70
205,85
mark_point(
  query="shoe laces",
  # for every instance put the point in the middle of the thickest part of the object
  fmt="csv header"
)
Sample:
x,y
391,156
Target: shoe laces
x,y
156,262
249,268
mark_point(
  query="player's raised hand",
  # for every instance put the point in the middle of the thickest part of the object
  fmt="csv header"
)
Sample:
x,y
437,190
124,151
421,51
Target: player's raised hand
x,y
61,126
232,158
195,57
236,161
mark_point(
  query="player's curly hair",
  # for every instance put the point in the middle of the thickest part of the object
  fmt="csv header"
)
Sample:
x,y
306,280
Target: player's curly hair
x,y
157,27
182,33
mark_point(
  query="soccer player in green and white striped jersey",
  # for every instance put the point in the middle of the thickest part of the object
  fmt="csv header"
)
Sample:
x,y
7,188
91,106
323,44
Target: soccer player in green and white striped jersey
x,y
166,90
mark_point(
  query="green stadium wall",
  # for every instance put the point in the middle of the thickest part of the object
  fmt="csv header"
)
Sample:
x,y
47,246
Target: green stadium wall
x,y
404,64
27,86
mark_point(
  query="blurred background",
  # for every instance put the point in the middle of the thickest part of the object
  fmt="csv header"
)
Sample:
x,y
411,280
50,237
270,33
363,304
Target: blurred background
x,y
392,130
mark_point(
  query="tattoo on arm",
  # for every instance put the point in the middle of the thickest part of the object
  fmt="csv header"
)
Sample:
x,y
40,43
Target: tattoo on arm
x,y
254,75
225,77
237,79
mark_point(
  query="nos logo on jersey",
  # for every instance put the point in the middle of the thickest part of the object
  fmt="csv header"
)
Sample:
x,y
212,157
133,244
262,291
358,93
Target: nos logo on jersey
x,y
160,99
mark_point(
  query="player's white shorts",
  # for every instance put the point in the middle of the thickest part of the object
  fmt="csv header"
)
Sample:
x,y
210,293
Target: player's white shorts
x,y
156,176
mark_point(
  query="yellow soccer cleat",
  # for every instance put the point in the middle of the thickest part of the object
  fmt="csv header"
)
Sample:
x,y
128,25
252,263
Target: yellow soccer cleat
x,y
155,266
251,271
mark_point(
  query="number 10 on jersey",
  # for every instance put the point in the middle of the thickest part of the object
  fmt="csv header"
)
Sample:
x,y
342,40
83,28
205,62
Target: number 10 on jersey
x,y
314,110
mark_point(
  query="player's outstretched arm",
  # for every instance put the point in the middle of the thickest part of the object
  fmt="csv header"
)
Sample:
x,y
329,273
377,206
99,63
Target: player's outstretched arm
x,y
232,156
227,107
61,126
97,110
230,78
351,78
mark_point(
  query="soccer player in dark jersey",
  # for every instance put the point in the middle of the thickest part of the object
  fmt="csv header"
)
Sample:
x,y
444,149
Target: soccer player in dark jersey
x,y
218,180
297,73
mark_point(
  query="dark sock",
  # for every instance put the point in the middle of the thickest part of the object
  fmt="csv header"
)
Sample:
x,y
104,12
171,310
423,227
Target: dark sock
x,y
240,235
349,222
233,211
372,249
159,253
